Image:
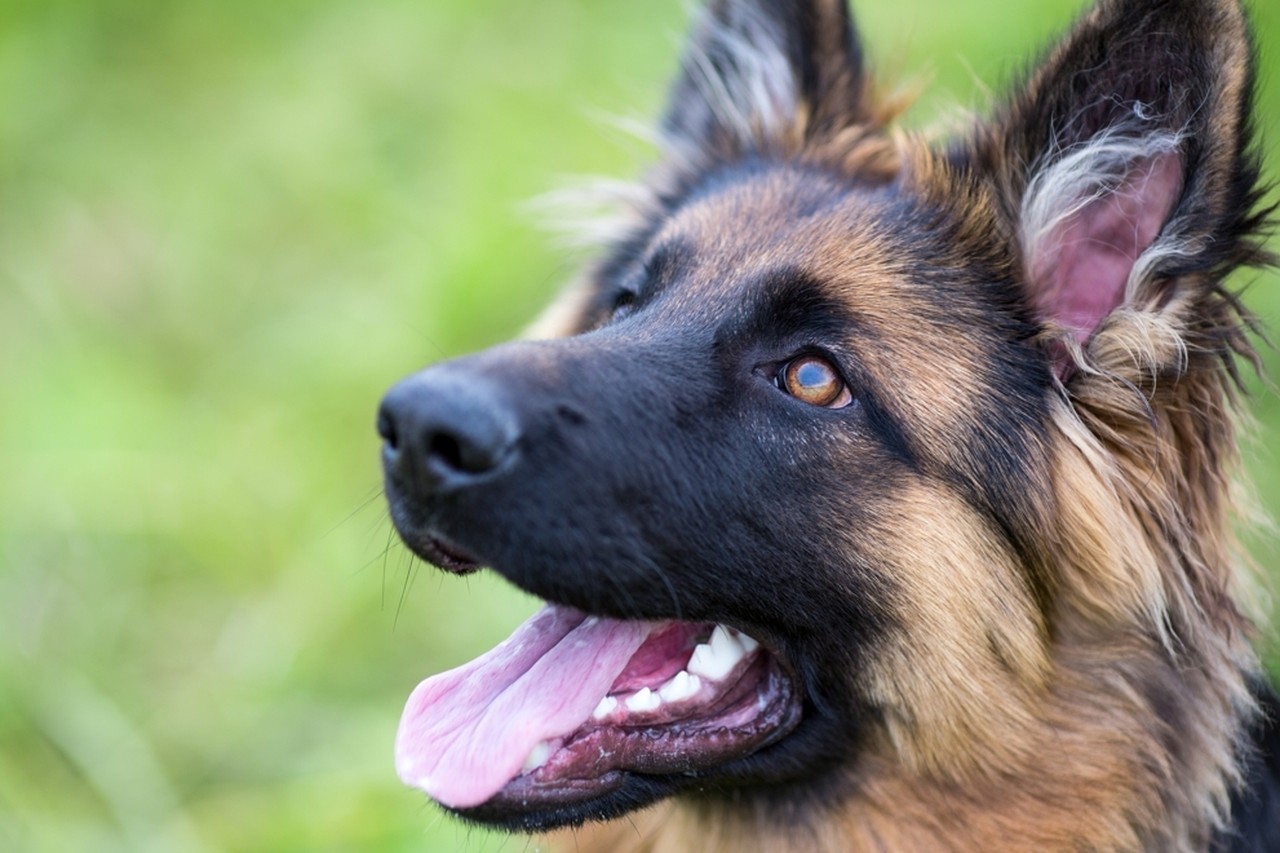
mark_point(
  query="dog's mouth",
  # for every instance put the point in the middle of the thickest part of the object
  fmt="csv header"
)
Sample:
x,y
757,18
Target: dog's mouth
x,y
570,706
442,554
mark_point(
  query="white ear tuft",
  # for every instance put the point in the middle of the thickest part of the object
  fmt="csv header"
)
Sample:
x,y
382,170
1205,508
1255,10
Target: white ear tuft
x,y
763,76
744,73
1088,218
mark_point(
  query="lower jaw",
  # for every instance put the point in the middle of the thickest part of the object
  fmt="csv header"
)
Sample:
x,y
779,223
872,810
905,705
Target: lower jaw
x,y
613,795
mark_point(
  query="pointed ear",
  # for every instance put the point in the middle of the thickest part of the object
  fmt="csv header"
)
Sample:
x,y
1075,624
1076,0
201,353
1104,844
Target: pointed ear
x,y
1125,165
763,75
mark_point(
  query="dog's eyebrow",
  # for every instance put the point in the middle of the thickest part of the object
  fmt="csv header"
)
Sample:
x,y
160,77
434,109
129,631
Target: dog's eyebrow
x,y
794,302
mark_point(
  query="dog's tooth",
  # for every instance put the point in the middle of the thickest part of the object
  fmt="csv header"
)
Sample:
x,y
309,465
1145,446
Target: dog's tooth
x,y
749,644
725,644
537,756
716,660
681,686
676,688
717,657
643,700
702,661
606,707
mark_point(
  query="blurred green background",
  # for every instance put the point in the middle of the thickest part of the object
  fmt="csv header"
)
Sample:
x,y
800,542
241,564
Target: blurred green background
x,y
225,228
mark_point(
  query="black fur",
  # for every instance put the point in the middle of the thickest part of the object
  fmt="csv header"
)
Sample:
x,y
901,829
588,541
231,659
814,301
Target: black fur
x,y
1255,807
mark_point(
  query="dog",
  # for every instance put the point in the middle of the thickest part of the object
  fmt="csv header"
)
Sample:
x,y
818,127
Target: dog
x,y
879,488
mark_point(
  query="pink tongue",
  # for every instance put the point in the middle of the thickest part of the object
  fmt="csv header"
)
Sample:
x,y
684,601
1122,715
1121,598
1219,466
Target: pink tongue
x,y
467,732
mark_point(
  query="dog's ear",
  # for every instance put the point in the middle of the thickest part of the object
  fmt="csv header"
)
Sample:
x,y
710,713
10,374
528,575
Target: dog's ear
x,y
1124,166
765,75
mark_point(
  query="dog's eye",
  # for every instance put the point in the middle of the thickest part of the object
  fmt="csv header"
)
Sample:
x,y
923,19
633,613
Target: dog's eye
x,y
812,379
623,303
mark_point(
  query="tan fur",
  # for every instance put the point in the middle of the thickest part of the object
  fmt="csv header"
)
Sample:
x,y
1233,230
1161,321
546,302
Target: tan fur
x,y
1104,719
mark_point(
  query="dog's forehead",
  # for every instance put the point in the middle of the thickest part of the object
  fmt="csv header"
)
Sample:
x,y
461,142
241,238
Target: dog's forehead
x,y
879,253
735,237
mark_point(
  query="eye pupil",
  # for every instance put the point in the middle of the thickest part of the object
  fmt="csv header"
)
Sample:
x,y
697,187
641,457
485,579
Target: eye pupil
x,y
813,375
813,380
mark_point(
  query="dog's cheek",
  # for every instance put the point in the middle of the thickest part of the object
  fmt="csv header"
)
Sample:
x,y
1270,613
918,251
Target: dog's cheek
x,y
968,642
782,538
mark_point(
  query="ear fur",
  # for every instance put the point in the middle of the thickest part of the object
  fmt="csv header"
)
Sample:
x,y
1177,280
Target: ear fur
x,y
762,76
1125,168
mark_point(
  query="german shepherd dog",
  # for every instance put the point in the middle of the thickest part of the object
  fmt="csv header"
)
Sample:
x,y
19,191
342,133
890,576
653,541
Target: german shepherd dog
x,y
879,489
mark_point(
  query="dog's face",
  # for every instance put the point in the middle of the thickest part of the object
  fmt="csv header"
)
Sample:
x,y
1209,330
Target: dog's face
x,y
784,480
747,416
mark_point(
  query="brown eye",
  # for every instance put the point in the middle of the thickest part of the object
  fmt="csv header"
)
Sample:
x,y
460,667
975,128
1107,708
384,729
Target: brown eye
x,y
812,379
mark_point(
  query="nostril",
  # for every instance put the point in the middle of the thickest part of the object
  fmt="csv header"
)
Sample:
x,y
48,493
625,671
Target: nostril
x,y
445,449
464,453
387,428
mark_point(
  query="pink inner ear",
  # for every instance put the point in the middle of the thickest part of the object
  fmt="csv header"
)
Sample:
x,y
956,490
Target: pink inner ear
x,y
1082,264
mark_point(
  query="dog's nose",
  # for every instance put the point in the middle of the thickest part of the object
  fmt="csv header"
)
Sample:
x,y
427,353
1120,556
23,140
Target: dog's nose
x,y
443,428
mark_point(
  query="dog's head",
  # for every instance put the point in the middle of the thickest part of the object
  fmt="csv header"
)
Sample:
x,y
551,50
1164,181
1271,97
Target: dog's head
x,y
791,479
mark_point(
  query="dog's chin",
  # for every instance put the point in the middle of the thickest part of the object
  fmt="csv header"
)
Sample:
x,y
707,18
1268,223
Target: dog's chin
x,y
517,740
618,794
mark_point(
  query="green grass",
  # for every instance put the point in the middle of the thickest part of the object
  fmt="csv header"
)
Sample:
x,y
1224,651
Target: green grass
x,y
225,228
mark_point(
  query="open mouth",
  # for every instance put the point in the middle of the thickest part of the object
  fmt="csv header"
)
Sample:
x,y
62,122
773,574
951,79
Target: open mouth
x,y
570,705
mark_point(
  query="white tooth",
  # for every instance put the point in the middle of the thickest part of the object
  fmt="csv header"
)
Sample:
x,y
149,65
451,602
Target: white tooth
x,y
673,690
605,708
702,662
705,663
537,756
716,658
748,644
725,644
644,700
680,687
